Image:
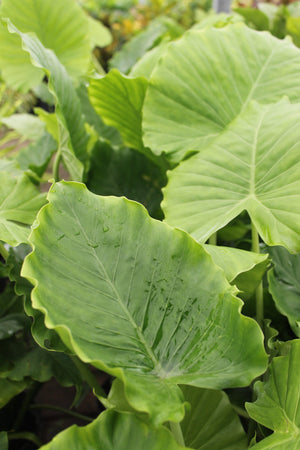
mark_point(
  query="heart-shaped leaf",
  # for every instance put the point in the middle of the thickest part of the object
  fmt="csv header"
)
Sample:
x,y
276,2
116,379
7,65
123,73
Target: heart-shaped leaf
x,y
284,285
278,405
207,78
164,314
253,165
114,431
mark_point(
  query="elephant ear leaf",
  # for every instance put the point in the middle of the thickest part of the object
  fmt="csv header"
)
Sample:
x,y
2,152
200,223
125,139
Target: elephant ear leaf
x,y
254,166
115,431
145,301
204,80
278,405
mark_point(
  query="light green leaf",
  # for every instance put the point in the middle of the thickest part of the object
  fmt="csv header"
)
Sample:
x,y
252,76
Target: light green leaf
x,y
20,202
284,285
253,166
114,431
164,314
100,35
278,406
211,422
27,125
60,26
71,135
118,100
242,268
9,389
204,80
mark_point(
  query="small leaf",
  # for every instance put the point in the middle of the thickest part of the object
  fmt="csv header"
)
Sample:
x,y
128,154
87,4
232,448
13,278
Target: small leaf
x,y
211,423
254,166
100,36
164,314
278,406
20,202
114,431
284,285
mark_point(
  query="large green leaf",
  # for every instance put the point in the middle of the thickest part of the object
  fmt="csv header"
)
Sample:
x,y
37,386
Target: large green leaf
x,y
114,431
278,405
211,423
60,26
284,285
254,166
205,79
118,100
71,135
19,204
163,313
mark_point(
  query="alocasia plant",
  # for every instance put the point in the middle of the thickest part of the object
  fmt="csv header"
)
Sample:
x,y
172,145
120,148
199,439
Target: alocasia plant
x,y
151,305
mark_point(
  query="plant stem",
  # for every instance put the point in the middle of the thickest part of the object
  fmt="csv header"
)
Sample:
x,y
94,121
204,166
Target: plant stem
x,y
213,239
25,435
3,252
56,166
62,410
240,411
31,391
177,433
88,376
259,290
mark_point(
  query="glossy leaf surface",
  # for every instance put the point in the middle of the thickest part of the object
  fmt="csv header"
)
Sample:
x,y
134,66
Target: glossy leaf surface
x,y
278,406
114,431
284,285
211,423
164,312
20,202
207,78
253,166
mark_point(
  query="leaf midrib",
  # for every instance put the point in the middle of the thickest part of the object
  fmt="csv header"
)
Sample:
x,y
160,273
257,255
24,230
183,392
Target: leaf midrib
x,y
157,366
